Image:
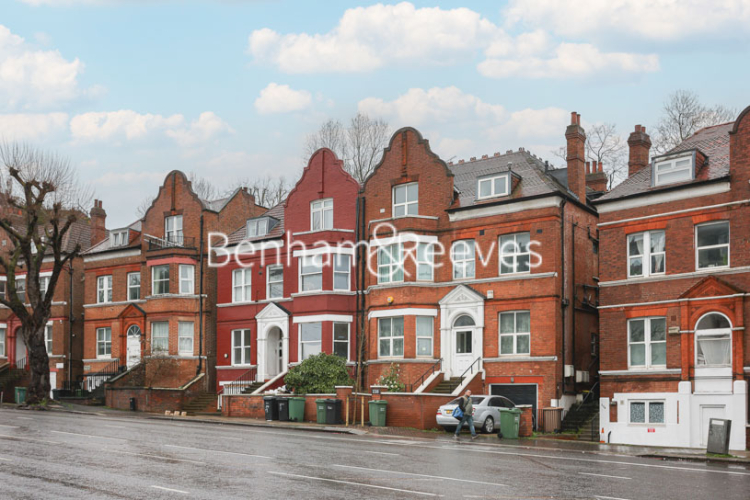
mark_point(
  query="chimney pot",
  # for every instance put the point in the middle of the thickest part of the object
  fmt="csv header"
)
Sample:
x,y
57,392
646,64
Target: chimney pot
x,y
484,157
460,161
497,153
573,118
588,167
601,169
639,144
473,158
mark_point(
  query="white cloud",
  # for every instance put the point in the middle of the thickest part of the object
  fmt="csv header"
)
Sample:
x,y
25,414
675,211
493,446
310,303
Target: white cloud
x,y
31,126
651,19
277,98
119,179
570,60
34,78
130,125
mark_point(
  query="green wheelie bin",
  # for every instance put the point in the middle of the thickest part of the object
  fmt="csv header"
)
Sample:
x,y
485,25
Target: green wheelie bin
x,y
377,413
320,404
296,409
20,395
510,420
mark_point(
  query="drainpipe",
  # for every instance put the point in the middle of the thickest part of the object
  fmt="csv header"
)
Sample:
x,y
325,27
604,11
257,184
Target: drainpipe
x,y
200,306
563,303
573,312
71,319
363,265
357,287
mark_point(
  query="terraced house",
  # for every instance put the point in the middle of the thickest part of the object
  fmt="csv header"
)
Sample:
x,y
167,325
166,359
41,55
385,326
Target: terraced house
x,y
483,272
150,299
675,277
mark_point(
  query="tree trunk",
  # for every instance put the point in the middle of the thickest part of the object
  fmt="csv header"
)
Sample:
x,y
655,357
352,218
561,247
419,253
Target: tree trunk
x,y
38,363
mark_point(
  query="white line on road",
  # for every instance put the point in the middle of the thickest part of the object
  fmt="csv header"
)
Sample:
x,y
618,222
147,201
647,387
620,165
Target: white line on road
x,y
216,451
157,456
382,453
88,435
28,439
24,418
169,489
418,475
6,459
9,426
603,475
352,483
610,498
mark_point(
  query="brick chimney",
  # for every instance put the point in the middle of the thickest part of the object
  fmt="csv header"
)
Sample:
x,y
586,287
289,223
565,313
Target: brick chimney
x,y
98,219
596,179
576,138
640,144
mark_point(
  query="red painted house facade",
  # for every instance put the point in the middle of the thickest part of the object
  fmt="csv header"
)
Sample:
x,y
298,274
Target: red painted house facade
x,y
290,291
675,277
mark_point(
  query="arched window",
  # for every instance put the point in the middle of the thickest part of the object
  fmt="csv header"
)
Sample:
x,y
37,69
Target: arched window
x,y
713,341
134,331
463,321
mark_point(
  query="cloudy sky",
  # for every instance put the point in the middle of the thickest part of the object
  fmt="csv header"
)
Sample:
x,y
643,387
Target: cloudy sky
x,y
131,89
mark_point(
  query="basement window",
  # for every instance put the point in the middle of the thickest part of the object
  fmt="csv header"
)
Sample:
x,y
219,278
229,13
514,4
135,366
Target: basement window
x,y
647,412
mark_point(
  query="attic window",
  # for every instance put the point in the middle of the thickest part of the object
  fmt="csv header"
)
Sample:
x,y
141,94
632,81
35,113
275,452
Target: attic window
x,y
257,227
119,238
670,170
493,186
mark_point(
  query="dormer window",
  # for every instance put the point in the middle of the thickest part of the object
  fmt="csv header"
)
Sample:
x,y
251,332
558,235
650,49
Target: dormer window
x,y
674,168
118,238
257,227
493,186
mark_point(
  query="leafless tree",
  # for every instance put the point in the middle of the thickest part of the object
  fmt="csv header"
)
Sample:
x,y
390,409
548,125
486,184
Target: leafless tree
x,y
44,199
684,114
268,191
204,188
360,145
604,144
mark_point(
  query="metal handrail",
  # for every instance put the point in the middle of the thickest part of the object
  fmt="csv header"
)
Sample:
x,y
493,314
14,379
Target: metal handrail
x,y
591,391
93,380
242,382
469,369
21,364
155,243
429,372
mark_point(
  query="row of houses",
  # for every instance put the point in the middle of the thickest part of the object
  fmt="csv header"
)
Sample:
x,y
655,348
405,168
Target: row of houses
x,y
500,272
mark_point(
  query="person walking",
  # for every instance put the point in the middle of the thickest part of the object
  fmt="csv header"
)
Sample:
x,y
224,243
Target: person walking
x,y
466,405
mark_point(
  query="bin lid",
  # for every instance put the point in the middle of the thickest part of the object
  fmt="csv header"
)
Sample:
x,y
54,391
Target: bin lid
x,y
378,402
331,400
297,398
269,398
321,400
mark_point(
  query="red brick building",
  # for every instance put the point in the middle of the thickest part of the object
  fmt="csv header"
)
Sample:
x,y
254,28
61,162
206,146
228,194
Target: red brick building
x,y
290,291
675,274
150,296
485,269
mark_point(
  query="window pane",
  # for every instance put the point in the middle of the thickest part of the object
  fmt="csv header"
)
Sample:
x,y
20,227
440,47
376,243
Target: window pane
x,y
506,344
657,241
328,219
656,413
424,326
522,240
276,290
714,350
310,349
713,234
384,329
340,331
658,329
237,338
485,187
424,347
412,209
712,322
713,257
635,244
398,327
636,330
412,192
636,266
638,413
384,348
341,349
276,273
400,211
310,332
398,346
522,344
657,263
340,281
500,184
659,353
507,323
523,322
312,282
400,194
341,263
638,355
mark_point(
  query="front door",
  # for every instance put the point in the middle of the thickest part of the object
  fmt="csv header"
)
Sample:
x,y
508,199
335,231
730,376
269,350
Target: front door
x,y
273,352
20,347
52,382
462,352
134,346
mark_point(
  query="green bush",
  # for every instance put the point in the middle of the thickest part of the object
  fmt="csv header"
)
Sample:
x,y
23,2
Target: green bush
x,y
392,379
319,374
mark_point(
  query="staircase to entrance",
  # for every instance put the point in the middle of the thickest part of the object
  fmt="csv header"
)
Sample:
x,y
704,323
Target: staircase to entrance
x,y
202,404
447,386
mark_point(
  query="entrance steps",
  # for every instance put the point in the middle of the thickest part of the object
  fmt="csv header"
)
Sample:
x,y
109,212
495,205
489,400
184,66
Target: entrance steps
x,y
252,387
204,403
447,386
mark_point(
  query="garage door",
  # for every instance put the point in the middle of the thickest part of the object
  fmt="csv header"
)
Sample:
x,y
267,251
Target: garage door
x,y
520,394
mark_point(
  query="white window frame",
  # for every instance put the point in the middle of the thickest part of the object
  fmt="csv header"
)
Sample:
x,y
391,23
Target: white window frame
x,y
395,267
182,337
21,288
514,255
423,335
102,340
3,336
3,287
245,349
348,338
242,281
154,348
174,233
515,334
491,180
717,334
188,281
48,338
410,207
154,280
460,265
324,210
669,166
709,247
300,342
647,342
119,238
43,285
647,254
104,289
425,261
131,287
257,227
391,338
345,271
647,413
269,282
315,261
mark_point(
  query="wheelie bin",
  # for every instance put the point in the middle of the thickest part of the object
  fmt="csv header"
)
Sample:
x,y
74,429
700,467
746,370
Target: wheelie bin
x,y
271,407
510,420
377,413
297,409
283,404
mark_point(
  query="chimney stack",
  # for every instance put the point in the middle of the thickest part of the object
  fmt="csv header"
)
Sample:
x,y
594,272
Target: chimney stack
x,y
576,157
98,219
640,145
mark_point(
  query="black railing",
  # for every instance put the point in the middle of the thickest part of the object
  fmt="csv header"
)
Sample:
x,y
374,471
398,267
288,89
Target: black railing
x,y
93,380
593,392
436,366
21,364
469,370
238,385
172,241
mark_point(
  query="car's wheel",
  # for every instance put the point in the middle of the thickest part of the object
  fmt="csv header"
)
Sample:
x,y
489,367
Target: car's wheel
x,y
489,425
448,428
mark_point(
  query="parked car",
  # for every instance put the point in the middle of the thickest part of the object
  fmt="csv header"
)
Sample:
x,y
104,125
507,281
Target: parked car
x,y
486,413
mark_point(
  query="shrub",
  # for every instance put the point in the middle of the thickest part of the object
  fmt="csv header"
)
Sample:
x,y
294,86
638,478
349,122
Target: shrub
x,y
318,374
392,379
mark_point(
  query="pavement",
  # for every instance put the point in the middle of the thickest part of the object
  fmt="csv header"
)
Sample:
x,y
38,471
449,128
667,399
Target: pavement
x,y
99,453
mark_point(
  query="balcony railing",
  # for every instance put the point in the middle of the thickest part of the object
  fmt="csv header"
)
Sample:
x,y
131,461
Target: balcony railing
x,y
171,241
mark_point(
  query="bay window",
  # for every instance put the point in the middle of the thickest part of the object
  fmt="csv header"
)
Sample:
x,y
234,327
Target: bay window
x,y
310,339
241,341
341,340
391,337
311,273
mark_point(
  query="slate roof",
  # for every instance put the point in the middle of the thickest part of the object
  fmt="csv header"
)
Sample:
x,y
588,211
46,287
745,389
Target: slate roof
x,y
711,141
277,231
134,242
536,177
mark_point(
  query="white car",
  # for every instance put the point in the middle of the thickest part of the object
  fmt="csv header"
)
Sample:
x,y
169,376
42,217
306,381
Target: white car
x,y
486,413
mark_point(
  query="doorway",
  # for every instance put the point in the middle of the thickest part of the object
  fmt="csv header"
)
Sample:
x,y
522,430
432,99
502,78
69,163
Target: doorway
x,y
463,346
274,352
133,347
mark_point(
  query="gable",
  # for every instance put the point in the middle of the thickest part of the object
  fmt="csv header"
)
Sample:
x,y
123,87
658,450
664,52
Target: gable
x,y
710,287
462,294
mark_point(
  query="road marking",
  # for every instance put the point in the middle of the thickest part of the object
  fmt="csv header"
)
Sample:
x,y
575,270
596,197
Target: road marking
x,y
352,483
169,489
418,475
610,498
6,459
157,456
216,451
603,475
28,439
88,435
382,453
25,418
9,426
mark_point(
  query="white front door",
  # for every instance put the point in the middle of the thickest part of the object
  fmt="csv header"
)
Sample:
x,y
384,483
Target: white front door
x,y
20,346
133,346
462,351
707,413
52,383
273,353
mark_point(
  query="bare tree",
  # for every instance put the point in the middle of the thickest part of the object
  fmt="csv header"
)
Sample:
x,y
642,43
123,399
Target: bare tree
x,y
45,199
360,145
683,115
268,191
204,188
604,144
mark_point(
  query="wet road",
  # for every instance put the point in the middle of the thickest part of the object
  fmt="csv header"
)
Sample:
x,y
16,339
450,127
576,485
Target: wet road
x,y
53,455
